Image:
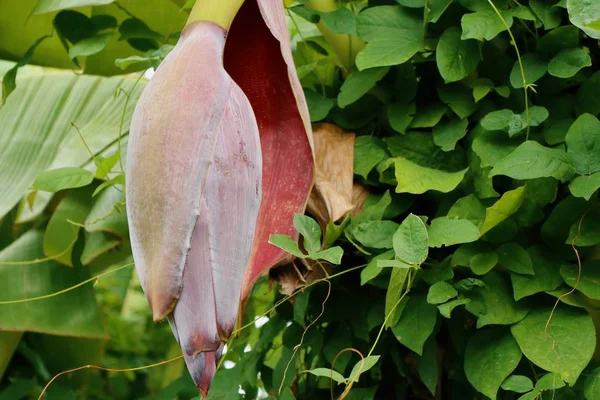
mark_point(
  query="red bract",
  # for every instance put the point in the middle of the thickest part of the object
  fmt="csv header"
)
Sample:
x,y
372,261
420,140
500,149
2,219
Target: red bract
x,y
196,176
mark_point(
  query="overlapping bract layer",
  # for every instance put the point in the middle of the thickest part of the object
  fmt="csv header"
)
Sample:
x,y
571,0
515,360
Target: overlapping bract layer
x,y
196,177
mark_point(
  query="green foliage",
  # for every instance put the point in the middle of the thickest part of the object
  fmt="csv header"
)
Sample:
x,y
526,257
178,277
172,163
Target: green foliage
x,y
477,136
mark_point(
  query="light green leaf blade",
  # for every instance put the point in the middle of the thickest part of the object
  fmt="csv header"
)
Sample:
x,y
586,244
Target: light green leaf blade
x,y
456,58
535,68
328,373
416,179
483,263
60,235
447,134
591,387
569,62
33,145
55,315
502,209
416,323
493,303
585,186
410,240
358,83
546,275
310,231
517,383
62,178
490,357
515,258
583,144
589,281
394,292
362,367
445,231
393,36
89,46
565,345
585,14
531,160
286,243
46,6
441,292
484,24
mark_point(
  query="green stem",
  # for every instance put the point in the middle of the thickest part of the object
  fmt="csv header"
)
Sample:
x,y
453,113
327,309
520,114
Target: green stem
x,y
345,46
221,12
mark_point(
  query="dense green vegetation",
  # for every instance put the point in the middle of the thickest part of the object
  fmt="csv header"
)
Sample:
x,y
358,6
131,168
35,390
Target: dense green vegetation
x,y
470,272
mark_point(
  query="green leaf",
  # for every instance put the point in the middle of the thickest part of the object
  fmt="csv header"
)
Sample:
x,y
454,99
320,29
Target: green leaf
x,y
514,258
493,303
531,160
490,357
484,24
358,83
371,271
506,206
546,274
46,6
56,315
458,97
332,255
493,146
583,144
445,231
133,28
400,116
517,383
310,231
547,13
286,243
89,46
61,234
393,36
469,208
585,186
569,62
62,178
318,106
446,308
591,387
535,68
441,292
589,281
394,291
428,115
416,323
328,373
483,263
410,240
415,179
428,365
361,367
64,97
549,382
9,83
368,152
108,214
512,123
340,21
447,134
585,14
376,234
563,343
585,231
456,58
